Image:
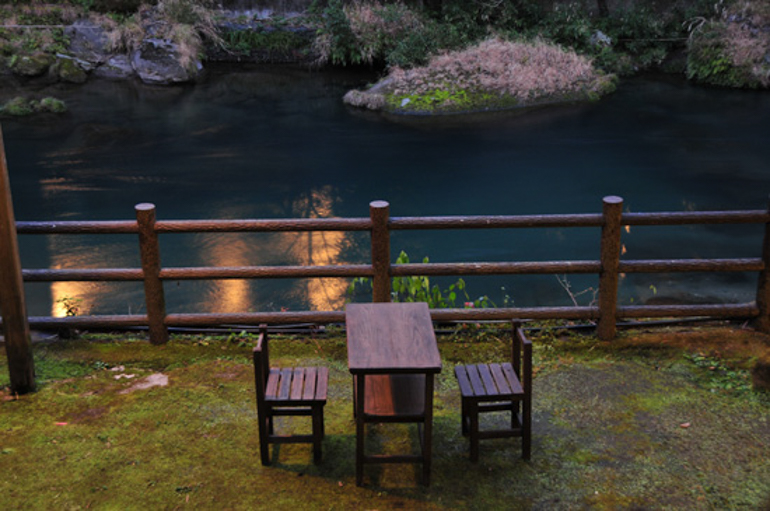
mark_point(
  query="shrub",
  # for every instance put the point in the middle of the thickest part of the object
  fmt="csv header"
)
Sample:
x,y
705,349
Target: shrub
x,y
733,50
419,289
363,32
335,42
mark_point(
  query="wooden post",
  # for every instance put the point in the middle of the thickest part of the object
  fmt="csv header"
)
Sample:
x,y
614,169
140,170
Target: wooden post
x,y
610,259
153,286
762,322
379,212
18,345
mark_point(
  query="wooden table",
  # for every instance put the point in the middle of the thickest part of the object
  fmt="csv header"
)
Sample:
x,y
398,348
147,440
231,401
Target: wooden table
x,y
393,356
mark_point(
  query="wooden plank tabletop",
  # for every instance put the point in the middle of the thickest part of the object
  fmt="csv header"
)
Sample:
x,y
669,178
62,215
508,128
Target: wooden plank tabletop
x,y
391,338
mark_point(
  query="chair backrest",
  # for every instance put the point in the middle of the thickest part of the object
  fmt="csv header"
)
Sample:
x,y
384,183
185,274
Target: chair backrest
x,y
261,356
521,356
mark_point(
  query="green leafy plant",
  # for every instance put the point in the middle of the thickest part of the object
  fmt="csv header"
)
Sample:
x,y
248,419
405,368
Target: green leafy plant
x,y
335,41
245,41
719,376
419,289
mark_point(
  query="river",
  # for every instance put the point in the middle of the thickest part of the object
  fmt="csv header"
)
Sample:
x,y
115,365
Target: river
x,y
277,142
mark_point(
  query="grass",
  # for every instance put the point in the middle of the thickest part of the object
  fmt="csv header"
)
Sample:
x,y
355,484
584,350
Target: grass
x,y
661,419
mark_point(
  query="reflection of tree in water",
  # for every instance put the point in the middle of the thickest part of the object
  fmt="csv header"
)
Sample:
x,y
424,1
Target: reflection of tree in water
x,y
320,248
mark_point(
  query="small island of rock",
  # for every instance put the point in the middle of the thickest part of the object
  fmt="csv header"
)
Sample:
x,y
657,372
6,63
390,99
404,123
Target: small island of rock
x,y
493,75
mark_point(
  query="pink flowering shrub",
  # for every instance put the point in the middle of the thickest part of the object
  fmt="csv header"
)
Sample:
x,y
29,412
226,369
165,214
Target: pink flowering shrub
x,y
496,71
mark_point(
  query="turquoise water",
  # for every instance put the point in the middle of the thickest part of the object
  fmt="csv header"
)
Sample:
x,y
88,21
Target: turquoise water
x,y
278,143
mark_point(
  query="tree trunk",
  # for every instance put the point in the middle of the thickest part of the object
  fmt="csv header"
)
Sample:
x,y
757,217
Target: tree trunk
x,y
604,11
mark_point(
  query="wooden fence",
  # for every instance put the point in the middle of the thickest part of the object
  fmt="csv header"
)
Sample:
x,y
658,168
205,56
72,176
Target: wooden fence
x,y
380,225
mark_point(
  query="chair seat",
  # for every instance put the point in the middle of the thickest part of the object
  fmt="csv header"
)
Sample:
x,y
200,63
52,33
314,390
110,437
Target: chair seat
x,y
297,386
489,382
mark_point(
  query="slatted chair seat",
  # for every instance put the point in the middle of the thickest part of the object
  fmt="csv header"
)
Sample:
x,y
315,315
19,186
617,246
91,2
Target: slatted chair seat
x,y
286,392
499,387
296,386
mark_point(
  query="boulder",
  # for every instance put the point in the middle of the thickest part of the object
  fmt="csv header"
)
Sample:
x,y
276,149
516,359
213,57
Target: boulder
x,y
33,65
88,42
159,61
117,67
66,69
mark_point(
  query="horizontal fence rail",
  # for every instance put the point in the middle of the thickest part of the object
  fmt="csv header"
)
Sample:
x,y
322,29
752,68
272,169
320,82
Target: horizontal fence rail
x,y
381,270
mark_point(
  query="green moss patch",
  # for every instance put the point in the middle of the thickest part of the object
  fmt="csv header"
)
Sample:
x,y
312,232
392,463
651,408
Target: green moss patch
x,y
20,107
635,423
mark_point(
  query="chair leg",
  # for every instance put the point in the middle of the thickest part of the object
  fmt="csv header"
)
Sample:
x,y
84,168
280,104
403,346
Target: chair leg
x,y
473,413
464,417
318,432
264,449
526,430
515,415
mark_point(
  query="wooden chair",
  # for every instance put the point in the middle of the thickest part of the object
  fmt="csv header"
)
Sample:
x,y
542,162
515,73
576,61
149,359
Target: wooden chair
x,y
499,387
288,391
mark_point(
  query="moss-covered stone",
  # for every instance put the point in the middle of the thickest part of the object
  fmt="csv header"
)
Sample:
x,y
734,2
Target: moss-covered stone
x,y
18,106
32,65
52,105
449,101
68,71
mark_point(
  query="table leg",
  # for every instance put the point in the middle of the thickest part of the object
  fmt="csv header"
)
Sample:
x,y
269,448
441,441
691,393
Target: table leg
x,y
359,404
428,430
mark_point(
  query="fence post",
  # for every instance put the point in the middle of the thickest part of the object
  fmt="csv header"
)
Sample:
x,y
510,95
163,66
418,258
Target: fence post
x,y
379,212
153,287
762,322
610,259
18,345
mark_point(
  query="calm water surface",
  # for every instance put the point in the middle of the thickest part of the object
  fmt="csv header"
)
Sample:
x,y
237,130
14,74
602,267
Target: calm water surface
x,y
278,142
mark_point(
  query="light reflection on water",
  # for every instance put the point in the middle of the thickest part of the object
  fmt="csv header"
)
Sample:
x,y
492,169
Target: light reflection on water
x,y
278,143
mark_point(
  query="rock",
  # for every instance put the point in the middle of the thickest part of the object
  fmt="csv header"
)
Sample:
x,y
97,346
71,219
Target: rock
x,y
88,41
364,99
67,70
599,38
33,65
52,105
159,61
18,107
117,67
493,75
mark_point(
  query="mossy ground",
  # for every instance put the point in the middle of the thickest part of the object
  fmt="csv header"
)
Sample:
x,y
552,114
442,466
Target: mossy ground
x,y
657,419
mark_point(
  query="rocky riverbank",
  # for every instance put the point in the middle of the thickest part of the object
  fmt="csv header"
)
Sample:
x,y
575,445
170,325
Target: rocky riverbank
x,y
170,42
